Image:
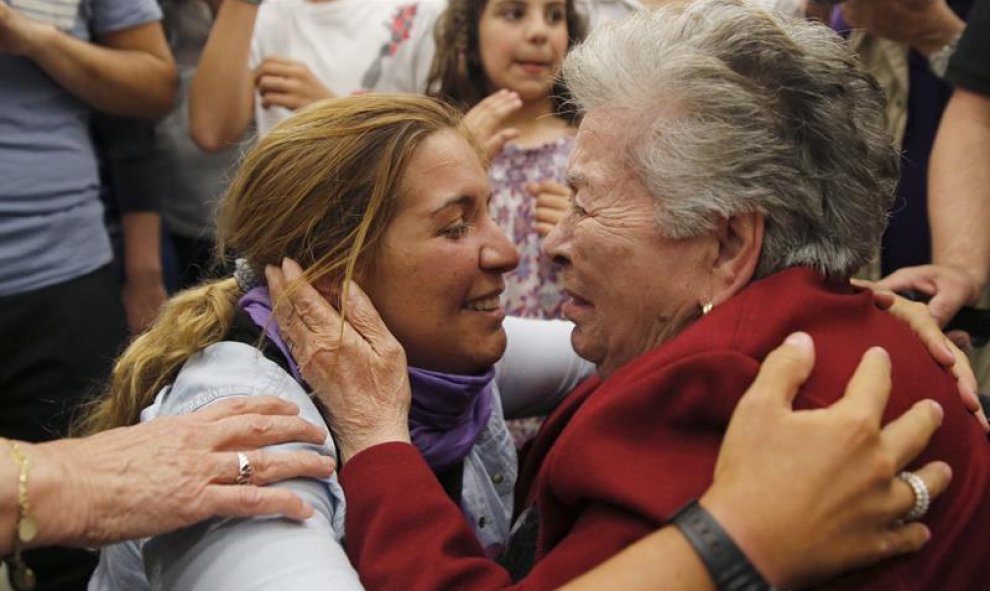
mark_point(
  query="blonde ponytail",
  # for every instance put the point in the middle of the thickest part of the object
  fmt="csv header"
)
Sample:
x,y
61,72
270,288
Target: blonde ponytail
x,y
189,322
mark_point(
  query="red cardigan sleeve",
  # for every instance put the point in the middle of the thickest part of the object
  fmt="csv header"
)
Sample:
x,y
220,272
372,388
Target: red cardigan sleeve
x,y
615,474
404,532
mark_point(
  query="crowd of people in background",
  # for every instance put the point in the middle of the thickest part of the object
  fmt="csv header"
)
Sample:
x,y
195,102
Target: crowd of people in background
x,y
124,122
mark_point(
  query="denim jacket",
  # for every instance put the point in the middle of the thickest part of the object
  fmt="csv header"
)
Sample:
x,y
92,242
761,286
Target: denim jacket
x,y
273,553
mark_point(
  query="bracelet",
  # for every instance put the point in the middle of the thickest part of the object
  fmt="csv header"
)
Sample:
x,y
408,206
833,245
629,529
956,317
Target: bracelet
x,y
725,562
26,528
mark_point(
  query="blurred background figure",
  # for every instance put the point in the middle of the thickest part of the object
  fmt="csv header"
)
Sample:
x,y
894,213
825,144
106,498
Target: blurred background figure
x,y
60,302
191,180
263,62
959,188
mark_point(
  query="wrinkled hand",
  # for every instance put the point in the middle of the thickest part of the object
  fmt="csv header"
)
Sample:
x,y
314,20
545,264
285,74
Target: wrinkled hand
x,y
143,297
19,34
918,317
355,366
175,471
486,120
925,25
288,83
553,200
809,494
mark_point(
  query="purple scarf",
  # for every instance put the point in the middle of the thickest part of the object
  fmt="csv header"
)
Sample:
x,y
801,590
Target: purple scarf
x,y
448,411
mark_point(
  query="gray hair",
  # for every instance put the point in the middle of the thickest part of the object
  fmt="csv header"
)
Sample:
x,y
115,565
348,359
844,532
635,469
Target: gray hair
x,y
738,110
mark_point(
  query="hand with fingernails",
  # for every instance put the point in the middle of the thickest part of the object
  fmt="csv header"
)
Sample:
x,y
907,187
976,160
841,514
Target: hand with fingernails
x,y
353,363
916,315
950,289
807,495
486,120
288,83
172,472
831,479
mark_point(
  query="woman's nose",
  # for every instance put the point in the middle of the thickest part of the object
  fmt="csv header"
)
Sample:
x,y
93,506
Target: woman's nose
x,y
499,254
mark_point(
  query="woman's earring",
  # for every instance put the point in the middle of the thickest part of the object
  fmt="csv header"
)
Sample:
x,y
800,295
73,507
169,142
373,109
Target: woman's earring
x,y
707,307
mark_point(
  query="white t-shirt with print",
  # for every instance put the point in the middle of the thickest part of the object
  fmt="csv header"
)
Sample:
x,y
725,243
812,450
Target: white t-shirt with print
x,y
349,45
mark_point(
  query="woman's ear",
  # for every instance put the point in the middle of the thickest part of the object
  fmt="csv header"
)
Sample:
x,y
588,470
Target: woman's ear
x,y
739,242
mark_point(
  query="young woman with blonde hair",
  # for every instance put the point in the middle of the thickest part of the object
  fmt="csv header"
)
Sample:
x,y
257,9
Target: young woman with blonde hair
x,y
388,190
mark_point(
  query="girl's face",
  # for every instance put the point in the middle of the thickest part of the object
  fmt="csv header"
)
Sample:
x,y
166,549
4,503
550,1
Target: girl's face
x,y
437,278
522,45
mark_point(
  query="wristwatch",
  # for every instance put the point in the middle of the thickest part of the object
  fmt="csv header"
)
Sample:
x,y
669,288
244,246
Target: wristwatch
x,y
728,566
939,60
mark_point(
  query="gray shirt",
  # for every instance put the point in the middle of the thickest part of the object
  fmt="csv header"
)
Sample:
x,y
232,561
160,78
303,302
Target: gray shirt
x,y
51,219
192,181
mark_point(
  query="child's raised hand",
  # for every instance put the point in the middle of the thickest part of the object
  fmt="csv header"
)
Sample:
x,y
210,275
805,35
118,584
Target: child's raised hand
x,y
552,202
486,120
288,83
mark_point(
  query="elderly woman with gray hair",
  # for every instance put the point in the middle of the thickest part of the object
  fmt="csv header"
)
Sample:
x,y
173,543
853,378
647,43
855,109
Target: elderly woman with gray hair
x,y
731,171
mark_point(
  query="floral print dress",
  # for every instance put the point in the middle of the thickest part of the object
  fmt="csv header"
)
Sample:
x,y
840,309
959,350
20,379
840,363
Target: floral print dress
x,y
533,290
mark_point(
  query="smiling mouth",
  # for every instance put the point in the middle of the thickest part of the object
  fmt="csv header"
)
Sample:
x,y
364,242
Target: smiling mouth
x,y
487,304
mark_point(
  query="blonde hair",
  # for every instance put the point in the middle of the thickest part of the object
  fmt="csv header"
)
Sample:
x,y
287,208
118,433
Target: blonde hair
x,y
320,188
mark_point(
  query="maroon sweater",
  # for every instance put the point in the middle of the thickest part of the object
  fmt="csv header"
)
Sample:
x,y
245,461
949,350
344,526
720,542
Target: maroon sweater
x,y
617,458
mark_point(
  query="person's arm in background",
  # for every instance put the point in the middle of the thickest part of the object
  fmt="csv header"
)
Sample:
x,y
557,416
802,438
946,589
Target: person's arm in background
x,y
958,210
959,184
924,25
221,97
144,285
126,72
539,366
158,476
127,147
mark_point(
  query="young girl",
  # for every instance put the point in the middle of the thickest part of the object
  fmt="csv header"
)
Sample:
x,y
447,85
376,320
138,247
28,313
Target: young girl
x,y
510,51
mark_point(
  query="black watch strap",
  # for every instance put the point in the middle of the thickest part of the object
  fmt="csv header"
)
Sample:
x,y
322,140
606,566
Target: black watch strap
x,y
727,565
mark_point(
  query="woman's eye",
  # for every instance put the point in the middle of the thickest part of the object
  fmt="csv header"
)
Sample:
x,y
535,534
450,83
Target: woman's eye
x,y
556,15
457,231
